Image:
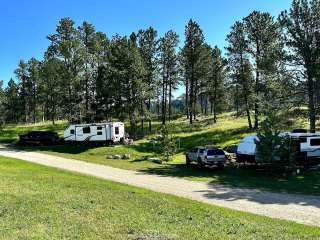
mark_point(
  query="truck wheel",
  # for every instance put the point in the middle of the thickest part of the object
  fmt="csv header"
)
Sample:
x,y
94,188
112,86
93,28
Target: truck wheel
x,y
200,164
220,166
188,162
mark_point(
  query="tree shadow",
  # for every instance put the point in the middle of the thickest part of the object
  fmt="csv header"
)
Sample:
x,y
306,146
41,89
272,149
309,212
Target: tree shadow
x,y
247,177
220,192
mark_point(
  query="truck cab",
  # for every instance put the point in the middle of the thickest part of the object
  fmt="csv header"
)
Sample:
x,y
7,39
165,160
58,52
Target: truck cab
x,y
194,154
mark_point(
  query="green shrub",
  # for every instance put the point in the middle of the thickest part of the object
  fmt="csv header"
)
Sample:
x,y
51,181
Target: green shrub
x,y
167,143
273,148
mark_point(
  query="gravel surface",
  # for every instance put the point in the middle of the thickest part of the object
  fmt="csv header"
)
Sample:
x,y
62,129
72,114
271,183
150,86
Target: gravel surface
x,y
295,207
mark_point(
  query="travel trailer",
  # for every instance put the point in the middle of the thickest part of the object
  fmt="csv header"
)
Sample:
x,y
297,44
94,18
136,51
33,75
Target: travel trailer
x,y
95,132
308,147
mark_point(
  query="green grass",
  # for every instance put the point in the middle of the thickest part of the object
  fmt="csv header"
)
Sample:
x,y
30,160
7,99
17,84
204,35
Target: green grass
x,y
38,202
227,131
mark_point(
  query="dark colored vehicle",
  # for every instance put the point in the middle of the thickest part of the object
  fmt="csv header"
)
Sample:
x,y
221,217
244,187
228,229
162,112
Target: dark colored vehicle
x,y
299,130
39,138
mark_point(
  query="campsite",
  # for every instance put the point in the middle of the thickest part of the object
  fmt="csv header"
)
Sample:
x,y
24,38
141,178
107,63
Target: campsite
x,y
160,120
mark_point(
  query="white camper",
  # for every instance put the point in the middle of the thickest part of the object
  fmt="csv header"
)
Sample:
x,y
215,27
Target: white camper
x,y
308,146
95,132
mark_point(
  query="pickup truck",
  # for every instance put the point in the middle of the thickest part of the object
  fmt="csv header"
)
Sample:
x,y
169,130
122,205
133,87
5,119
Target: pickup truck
x,y
206,156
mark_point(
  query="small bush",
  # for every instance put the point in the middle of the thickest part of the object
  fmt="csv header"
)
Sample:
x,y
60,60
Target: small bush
x,y
167,143
273,148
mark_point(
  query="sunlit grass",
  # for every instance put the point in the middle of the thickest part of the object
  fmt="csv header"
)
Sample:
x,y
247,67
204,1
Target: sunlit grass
x,y
228,130
38,202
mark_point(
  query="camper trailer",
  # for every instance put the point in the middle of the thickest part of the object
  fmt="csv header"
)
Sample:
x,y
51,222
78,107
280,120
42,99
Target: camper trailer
x,y
307,145
96,132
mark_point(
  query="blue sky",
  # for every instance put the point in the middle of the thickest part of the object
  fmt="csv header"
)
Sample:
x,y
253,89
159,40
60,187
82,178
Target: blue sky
x,y
24,25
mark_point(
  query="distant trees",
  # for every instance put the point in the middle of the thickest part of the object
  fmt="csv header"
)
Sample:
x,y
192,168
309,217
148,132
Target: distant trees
x,y
84,76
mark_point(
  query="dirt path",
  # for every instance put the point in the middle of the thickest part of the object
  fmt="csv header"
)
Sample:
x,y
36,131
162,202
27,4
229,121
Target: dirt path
x,y
299,208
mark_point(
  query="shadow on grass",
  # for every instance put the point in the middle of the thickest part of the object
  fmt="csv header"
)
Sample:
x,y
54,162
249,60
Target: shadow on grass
x,y
244,177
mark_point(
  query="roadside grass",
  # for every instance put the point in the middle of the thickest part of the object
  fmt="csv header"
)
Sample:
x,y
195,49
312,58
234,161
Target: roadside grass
x,y
228,130
38,202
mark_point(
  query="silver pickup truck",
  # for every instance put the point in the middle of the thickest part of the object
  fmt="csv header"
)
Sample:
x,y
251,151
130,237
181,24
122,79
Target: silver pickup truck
x,y
206,156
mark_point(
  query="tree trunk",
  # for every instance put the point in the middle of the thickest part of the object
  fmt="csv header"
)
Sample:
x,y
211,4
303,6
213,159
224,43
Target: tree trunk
x,y
312,111
187,98
142,117
149,109
170,89
206,106
163,101
256,106
248,112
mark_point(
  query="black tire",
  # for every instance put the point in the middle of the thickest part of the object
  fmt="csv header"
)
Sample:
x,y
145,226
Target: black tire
x,y
220,166
188,162
200,165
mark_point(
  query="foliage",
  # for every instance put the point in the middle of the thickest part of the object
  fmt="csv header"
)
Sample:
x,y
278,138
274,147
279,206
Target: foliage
x,y
167,143
272,147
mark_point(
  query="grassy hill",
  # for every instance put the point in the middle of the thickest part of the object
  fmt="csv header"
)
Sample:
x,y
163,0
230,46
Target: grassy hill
x,y
227,131
38,202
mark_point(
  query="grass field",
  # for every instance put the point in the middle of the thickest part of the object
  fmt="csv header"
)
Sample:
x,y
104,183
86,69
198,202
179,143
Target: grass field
x,y
38,202
227,131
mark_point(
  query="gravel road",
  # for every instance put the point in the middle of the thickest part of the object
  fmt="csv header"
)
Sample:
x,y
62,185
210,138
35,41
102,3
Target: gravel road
x,y
299,208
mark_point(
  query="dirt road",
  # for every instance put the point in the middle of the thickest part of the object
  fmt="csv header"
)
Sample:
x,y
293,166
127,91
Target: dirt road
x,y
299,208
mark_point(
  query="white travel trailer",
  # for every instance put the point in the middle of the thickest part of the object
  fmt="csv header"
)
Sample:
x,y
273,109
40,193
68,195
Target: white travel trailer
x,y
95,132
308,147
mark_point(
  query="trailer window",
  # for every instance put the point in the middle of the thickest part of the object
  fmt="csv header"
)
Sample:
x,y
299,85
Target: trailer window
x,y
116,130
315,142
72,131
99,133
86,130
99,128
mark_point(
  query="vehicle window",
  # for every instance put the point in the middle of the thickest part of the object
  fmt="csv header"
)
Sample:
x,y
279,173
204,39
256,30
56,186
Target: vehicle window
x,y
303,139
116,130
86,130
201,150
215,152
99,128
315,142
72,131
99,133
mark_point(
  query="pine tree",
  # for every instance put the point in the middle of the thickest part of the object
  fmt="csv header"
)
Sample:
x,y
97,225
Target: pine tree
x,y
301,25
148,45
66,45
240,66
191,62
263,34
25,88
169,70
216,81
